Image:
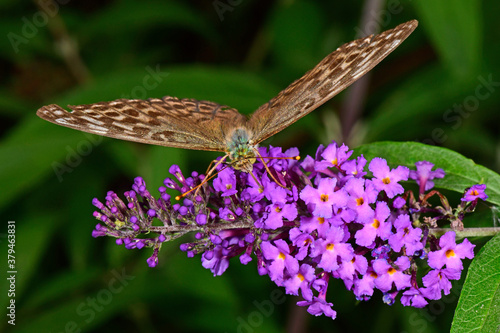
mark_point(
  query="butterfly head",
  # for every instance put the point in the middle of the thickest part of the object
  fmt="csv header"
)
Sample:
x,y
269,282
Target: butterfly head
x,y
241,150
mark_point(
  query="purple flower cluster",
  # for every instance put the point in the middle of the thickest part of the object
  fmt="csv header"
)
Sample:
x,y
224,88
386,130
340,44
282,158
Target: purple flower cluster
x,y
305,223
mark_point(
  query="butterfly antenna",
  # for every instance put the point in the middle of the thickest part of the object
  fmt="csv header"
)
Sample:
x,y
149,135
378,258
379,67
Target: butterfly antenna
x,y
209,175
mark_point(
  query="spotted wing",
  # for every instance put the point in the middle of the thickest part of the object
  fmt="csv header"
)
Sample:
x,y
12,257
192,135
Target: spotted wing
x,y
332,75
169,121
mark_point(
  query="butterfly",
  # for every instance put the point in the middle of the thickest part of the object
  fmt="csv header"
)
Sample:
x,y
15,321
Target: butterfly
x,y
203,125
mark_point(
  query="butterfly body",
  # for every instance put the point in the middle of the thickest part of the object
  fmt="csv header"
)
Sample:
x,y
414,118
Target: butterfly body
x,y
241,149
203,125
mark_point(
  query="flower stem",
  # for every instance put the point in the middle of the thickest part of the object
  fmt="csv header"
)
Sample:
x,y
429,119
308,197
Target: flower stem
x,y
467,232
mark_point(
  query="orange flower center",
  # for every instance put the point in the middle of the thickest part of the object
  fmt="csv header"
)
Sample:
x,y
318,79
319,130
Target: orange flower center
x,y
450,253
281,256
360,201
386,180
301,277
330,247
324,197
321,220
391,271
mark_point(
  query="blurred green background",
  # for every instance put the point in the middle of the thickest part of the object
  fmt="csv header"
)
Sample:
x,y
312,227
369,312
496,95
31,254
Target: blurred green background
x,y
439,87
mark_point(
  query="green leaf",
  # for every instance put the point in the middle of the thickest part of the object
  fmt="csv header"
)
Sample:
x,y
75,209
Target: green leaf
x,y
128,17
456,31
408,110
22,39
29,249
242,90
33,150
12,106
297,47
59,286
461,172
478,308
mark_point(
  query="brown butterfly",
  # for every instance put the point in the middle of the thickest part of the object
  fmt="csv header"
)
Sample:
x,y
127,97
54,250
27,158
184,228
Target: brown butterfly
x,y
203,125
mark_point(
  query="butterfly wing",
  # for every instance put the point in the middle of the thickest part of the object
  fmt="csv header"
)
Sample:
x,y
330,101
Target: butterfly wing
x,y
332,75
169,121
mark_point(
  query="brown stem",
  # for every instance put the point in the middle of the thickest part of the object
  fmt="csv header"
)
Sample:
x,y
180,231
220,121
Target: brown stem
x,y
467,232
66,45
191,228
351,107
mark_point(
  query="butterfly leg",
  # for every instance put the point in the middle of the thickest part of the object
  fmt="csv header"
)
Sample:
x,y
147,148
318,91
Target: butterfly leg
x,y
211,170
267,168
208,176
